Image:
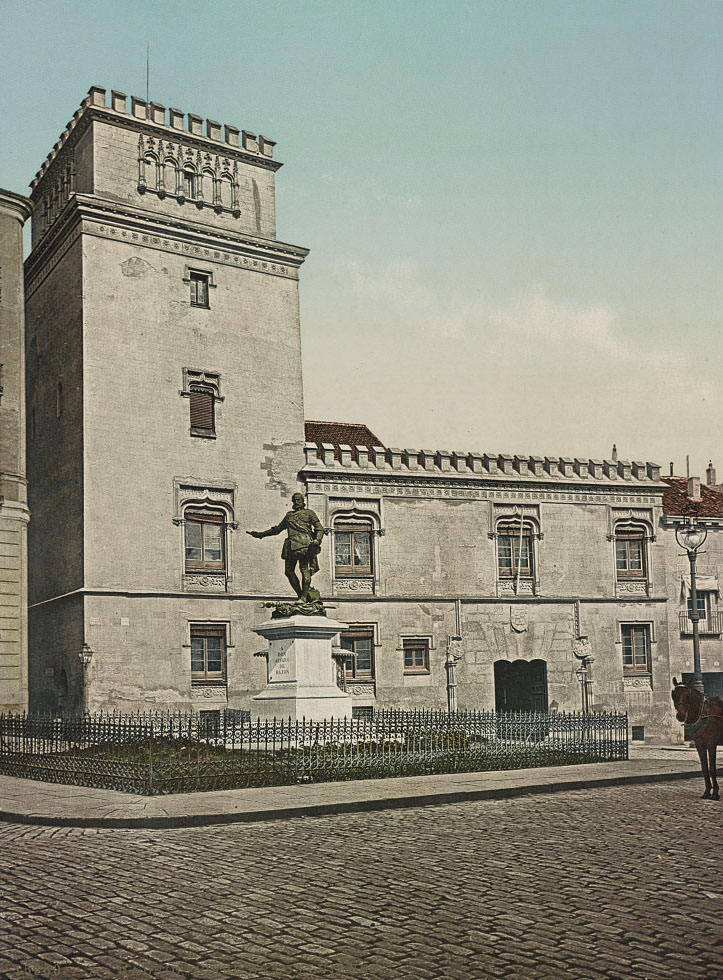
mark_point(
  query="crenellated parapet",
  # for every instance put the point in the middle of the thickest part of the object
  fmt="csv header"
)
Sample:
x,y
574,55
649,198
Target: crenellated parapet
x,y
158,159
446,463
173,120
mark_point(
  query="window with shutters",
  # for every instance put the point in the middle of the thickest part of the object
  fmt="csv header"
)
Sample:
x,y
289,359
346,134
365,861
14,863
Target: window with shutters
x,y
202,415
202,388
204,540
208,654
200,282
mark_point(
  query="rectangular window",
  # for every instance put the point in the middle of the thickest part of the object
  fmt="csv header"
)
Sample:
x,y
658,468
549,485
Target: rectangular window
x,y
359,663
202,411
352,549
416,656
700,603
208,654
630,554
514,554
636,647
199,288
203,539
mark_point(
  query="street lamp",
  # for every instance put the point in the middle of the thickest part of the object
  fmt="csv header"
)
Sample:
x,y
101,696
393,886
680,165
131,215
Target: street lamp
x,y
85,655
691,536
451,661
581,650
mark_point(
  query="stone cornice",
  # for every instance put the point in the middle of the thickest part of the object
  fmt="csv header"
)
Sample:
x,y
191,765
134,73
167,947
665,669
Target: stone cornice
x,y
15,204
196,140
478,486
108,219
331,601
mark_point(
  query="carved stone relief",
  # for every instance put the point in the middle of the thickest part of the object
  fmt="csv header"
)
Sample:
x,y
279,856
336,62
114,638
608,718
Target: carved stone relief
x,y
217,693
205,582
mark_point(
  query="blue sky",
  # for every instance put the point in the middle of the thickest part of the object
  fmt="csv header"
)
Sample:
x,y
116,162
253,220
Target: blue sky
x,y
513,208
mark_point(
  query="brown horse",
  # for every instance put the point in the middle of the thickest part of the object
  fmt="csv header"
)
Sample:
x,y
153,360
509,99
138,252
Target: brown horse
x,y
704,718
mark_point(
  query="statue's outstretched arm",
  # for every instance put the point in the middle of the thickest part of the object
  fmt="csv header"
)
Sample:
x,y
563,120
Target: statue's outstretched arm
x,y
276,529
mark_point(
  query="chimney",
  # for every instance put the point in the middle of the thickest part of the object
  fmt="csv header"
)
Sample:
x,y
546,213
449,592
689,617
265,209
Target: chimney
x,y
710,474
671,468
693,488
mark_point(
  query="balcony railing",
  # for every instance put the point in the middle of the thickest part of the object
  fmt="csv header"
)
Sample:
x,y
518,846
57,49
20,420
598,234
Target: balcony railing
x,y
711,624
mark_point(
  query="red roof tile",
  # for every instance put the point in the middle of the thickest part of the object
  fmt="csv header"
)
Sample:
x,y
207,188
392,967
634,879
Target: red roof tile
x,y
676,502
341,434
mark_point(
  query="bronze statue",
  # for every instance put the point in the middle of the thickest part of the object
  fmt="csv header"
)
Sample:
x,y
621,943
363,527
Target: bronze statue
x,y
304,534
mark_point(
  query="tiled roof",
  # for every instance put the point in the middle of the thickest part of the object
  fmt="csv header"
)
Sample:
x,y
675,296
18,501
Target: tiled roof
x,y
341,434
676,502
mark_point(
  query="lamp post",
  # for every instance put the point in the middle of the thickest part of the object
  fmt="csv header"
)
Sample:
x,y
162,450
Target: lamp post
x,y
85,656
581,650
451,661
691,536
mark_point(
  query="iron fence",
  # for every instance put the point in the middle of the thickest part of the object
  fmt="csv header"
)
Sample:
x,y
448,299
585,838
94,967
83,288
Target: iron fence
x,y
156,753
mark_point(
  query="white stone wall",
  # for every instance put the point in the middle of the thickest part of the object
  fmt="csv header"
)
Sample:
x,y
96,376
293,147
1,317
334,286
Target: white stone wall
x,y
14,513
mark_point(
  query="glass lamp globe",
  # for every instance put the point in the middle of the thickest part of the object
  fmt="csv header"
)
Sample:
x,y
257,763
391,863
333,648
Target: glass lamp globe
x,y
691,536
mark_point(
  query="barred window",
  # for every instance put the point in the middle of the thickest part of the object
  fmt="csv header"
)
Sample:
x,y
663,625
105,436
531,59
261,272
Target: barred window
x,y
208,654
636,647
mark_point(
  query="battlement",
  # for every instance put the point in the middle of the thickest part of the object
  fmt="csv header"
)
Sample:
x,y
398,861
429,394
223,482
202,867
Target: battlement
x,y
468,464
174,120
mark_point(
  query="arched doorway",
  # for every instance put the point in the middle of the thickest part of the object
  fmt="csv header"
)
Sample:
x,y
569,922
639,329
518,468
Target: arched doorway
x,y
521,685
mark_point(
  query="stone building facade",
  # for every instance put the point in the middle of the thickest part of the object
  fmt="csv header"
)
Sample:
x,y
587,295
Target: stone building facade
x,y
165,412
684,497
14,514
165,406
515,567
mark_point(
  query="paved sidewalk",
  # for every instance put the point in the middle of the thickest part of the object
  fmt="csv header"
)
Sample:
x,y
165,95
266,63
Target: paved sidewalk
x,y
31,802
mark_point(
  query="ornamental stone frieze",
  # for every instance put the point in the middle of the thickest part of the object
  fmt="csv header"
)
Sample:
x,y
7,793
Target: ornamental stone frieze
x,y
213,693
355,586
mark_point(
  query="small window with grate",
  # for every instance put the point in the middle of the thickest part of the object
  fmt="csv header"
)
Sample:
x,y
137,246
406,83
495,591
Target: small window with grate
x,y
637,733
362,713
209,723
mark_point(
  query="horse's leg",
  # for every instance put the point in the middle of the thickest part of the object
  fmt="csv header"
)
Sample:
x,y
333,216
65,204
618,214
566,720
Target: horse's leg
x,y
713,771
703,756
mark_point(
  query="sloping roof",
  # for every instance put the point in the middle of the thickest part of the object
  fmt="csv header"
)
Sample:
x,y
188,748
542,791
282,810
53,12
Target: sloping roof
x,y
341,434
676,502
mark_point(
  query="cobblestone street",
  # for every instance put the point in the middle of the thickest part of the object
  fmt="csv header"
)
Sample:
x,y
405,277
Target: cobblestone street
x,y
616,883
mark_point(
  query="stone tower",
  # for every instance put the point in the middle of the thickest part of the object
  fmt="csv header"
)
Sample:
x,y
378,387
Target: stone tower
x,y
14,210
165,408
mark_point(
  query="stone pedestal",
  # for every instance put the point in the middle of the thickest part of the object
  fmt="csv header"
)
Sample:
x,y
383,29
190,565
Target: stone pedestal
x,y
302,675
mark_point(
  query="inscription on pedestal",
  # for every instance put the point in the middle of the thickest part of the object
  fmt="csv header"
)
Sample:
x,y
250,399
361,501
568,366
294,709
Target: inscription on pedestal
x,y
280,661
